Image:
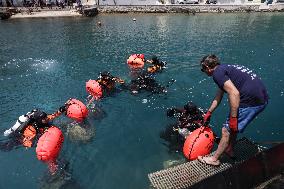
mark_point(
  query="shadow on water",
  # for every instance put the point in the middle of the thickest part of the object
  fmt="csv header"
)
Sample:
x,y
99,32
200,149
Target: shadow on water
x,y
173,140
80,132
62,179
11,143
96,112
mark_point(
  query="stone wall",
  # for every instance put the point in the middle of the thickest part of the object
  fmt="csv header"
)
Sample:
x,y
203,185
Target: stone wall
x,y
188,8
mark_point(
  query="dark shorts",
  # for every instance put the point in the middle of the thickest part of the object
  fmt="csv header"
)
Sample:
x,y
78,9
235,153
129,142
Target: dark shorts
x,y
246,115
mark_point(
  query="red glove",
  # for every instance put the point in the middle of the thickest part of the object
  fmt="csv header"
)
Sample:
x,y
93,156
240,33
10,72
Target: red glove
x,y
233,124
206,118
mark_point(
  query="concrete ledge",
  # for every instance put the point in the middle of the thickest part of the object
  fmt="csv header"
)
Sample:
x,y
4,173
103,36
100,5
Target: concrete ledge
x,y
48,14
190,8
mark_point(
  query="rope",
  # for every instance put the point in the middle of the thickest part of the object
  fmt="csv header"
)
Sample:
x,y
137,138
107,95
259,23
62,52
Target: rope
x,y
201,130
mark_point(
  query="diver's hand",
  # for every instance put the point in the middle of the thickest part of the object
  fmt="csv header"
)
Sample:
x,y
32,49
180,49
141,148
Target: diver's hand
x,y
62,109
118,80
149,61
121,81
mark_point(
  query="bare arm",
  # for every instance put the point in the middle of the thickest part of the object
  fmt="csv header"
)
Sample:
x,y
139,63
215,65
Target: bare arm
x,y
234,97
118,80
54,115
217,100
149,61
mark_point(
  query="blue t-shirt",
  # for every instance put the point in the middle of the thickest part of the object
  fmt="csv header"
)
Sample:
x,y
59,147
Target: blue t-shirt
x,y
252,90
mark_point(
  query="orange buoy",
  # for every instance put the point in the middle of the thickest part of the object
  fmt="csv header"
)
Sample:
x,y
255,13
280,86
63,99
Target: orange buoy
x,y
136,61
76,110
199,143
28,136
49,144
94,89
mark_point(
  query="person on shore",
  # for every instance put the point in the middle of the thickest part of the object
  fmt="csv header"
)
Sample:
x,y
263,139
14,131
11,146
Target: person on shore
x,y
79,4
48,4
39,3
62,4
247,97
157,65
33,123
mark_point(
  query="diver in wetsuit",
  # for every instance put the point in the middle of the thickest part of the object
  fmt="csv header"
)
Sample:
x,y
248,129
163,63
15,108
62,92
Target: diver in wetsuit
x,y
157,65
188,119
107,81
147,82
28,126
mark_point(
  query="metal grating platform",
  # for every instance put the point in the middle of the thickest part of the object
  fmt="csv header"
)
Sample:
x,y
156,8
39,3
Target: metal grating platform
x,y
190,173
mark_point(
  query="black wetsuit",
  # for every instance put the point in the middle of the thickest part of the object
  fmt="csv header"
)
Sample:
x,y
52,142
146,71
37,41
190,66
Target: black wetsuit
x,y
36,120
146,81
188,118
157,62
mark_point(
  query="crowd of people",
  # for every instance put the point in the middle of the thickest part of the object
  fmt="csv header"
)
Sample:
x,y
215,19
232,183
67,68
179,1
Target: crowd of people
x,y
247,97
44,3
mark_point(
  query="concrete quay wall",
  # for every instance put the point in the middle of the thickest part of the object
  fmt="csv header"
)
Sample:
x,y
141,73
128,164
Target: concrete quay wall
x,y
192,8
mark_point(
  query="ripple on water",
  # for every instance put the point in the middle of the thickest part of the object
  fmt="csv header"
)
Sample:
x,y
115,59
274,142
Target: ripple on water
x,y
16,68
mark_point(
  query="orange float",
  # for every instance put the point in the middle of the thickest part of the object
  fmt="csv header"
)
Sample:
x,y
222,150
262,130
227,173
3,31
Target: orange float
x,y
49,144
199,143
94,89
136,61
76,110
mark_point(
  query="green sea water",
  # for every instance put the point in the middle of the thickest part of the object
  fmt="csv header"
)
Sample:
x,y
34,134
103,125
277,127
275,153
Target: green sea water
x,y
43,62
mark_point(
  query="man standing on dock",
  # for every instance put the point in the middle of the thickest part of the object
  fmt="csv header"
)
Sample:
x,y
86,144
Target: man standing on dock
x,y
247,97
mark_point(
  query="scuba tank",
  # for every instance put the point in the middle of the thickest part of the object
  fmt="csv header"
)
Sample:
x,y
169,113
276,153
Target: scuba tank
x,y
20,124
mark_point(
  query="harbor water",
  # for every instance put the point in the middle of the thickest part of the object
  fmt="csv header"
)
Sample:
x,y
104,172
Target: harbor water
x,y
44,62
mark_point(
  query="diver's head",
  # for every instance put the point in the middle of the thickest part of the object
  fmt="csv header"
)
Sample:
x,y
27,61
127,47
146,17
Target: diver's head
x,y
154,58
105,75
152,69
173,112
41,116
190,108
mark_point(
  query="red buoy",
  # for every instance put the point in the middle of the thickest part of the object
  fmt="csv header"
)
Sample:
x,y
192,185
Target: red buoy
x,y
136,61
94,89
199,143
49,144
76,110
